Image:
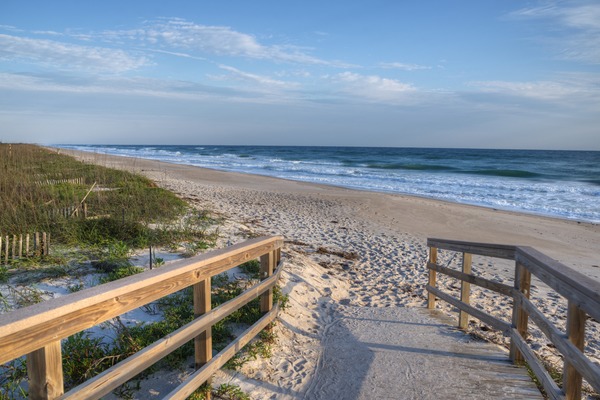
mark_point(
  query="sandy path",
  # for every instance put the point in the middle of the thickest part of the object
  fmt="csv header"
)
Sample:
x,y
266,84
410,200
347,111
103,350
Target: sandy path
x,y
350,248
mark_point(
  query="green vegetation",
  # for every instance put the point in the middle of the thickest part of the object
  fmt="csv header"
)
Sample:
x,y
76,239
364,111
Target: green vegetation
x,y
40,190
124,212
33,194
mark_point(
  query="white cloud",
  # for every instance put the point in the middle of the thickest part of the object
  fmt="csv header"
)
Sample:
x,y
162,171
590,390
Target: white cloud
x,y
68,56
112,85
168,89
372,87
575,28
177,54
260,79
10,28
568,88
176,33
47,33
404,66
575,16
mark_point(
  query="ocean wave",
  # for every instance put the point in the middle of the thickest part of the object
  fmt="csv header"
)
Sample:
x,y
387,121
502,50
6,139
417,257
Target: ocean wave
x,y
507,173
592,181
411,167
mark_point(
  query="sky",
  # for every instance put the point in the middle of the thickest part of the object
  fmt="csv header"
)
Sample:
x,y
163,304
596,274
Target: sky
x,y
467,74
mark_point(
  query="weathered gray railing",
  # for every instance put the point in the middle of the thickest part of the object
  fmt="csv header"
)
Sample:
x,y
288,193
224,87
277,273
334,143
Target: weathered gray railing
x,y
582,293
36,331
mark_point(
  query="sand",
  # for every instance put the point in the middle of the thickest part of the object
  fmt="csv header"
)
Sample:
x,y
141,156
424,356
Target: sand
x,y
350,248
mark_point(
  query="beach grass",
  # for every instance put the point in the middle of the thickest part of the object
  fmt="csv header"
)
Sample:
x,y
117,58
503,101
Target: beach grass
x,y
39,188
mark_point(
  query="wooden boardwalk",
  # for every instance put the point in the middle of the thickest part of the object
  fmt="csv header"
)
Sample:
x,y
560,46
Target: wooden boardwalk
x,y
408,353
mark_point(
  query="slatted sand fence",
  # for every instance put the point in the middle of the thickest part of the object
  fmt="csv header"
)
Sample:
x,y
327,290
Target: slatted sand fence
x,y
36,331
13,247
581,293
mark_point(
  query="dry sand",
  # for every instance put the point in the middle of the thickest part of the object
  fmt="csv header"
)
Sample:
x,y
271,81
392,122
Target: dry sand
x,y
349,248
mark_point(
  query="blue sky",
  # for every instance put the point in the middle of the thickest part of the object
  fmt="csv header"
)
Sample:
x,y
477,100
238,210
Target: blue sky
x,y
487,74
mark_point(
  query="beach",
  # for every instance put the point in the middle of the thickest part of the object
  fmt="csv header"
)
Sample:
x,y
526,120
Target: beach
x,y
351,248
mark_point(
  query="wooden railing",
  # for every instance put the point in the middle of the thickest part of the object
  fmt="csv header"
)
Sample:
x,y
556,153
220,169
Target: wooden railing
x,y
36,331
581,292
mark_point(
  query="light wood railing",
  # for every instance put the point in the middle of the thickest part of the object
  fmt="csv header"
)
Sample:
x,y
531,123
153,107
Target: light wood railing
x,y
36,331
581,292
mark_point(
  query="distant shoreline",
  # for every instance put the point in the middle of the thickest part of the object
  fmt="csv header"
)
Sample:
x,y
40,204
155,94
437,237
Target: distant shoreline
x,y
499,183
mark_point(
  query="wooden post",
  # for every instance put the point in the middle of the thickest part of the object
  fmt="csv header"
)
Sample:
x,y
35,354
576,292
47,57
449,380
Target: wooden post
x,y
432,277
0,247
44,368
27,245
267,261
277,257
576,334
87,194
85,210
43,244
465,291
36,244
20,245
520,318
14,247
203,342
6,251
150,251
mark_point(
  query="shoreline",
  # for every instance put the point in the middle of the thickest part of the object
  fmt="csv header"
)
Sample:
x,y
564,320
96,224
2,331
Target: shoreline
x,y
557,237
389,192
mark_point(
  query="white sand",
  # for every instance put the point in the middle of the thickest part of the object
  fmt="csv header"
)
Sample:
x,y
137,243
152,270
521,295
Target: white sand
x,y
387,233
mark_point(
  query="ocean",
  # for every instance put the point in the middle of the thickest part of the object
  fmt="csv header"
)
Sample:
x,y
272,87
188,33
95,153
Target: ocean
x,y
562,184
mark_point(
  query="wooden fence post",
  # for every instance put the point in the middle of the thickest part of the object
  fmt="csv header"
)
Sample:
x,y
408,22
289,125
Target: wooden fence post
x,y
576,333
44,369
44,244
20,245
432,277
14,247
6,251
36,244
267,262
27,245
465,291
520,318
202,342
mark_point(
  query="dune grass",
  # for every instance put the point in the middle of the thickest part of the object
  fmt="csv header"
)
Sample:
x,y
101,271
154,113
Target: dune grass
x,y
32,194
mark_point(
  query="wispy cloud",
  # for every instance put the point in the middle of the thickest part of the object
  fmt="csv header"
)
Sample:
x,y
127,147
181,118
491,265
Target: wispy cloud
x,y
67,56
48,33
578,24
576,15
372,87
116,85
179,34
263,81
574,88
176,54
403,66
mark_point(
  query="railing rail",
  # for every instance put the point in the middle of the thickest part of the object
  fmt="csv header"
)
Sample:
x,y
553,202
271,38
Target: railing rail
x,y
581,292
36,331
